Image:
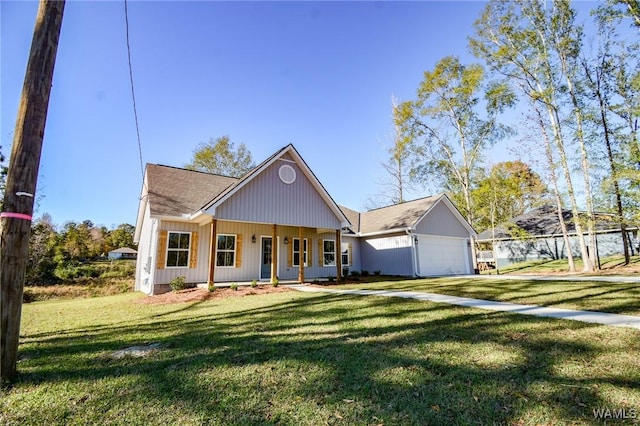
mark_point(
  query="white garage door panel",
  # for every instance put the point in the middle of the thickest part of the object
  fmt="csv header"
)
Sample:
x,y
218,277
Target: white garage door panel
x,y
442,256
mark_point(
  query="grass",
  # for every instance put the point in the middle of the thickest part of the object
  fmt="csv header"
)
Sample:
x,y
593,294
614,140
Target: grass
x,y
610,264
618,298
305,359
78,288
103,278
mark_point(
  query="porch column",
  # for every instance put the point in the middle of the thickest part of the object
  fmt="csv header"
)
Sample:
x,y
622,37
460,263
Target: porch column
x,y
301,261
212,253
274,253
338,255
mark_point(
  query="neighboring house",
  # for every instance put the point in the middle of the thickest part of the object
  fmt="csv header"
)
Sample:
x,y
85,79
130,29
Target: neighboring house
x,y
537,235
278,221
122,253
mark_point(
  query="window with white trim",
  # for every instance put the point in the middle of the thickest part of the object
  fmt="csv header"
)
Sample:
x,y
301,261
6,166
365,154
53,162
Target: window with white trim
x,y
329,253
296,252
345,254
226,251
178,244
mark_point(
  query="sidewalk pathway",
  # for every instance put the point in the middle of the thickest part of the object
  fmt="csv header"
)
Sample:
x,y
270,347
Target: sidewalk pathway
x,y
570,314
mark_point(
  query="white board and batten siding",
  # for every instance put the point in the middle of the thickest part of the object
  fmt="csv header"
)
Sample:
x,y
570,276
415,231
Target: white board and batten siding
x,y
145,266
443,244
197,274
441,221
353,243
267,199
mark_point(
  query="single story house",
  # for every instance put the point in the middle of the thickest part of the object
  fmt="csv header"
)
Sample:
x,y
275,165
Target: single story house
x,y
279,222
122,253
537,235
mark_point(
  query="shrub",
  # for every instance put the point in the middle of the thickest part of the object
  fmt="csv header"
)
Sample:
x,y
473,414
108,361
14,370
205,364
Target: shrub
x,y
365,273
376,272
345,272
332,279
275,282
355,273
68,272
120,269
27,296
177,283
254,284
211,287
234,287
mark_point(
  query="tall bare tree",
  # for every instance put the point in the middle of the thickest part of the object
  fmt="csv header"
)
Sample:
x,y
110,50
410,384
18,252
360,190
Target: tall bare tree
x,y
448,127
602,73
516,40
396,180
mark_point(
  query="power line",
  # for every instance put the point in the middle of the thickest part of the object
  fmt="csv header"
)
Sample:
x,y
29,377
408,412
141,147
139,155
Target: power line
x,y
133,94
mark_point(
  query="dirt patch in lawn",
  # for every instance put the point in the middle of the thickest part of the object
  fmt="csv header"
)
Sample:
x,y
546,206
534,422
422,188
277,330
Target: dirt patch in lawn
x,y
200,294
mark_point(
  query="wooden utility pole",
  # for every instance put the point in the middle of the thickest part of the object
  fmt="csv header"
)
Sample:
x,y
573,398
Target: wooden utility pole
x,y
15,219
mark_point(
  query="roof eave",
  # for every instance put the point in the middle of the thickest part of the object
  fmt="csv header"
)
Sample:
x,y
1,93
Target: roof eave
x,y
384,232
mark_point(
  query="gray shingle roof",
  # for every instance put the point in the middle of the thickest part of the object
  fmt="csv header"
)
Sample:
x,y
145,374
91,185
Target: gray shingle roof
x,y
174,191
127,250
353,217
543,221
398,216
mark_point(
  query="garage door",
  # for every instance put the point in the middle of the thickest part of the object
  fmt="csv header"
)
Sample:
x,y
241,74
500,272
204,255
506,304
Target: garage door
x,y
442,256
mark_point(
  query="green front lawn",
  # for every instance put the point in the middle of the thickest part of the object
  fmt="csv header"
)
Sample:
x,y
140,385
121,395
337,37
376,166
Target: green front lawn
x,y
307,359
608,264
619,298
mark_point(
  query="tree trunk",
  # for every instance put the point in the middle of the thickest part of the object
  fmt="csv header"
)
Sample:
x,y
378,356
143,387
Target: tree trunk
x,y
556,191
591,229
614,172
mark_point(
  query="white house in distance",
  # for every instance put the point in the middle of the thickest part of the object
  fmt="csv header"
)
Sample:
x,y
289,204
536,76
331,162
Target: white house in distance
x,y
278,221
122,253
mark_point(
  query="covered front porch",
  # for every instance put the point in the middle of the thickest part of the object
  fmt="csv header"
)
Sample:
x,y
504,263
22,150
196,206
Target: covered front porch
x,y
241,252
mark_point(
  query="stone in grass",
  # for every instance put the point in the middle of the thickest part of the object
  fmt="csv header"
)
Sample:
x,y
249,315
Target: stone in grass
x,y
136,351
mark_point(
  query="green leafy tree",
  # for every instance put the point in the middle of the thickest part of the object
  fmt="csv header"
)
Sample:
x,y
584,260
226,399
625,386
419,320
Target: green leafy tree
x,y
75,241
610,81
219,156
633,9
122,236
41,263
534,46
450,124
507,190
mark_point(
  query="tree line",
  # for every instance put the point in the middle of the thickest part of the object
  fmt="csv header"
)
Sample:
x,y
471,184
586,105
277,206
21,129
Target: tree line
x,y
54,253
581,98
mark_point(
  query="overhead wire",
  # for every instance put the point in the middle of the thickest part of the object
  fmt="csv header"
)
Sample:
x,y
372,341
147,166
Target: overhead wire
x,y
133,93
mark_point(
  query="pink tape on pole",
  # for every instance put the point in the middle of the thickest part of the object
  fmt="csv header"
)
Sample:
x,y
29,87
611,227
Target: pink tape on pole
x,y
16,215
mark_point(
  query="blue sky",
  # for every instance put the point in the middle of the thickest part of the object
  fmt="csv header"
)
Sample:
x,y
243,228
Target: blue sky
x,y
319,75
